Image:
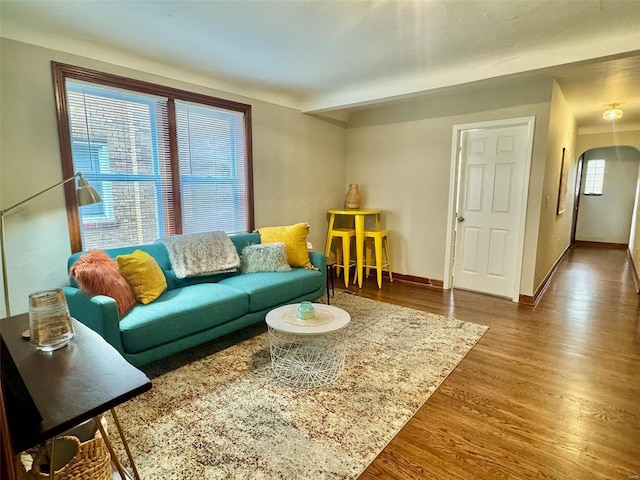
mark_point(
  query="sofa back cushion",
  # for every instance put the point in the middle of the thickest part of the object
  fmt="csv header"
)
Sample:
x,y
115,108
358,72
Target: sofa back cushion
x,y
159,252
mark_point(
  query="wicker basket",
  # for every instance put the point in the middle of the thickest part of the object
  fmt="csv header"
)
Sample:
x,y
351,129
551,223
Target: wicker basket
x,y
91,462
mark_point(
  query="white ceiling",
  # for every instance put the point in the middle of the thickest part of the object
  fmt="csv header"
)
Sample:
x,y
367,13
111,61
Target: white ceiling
x,y
332,55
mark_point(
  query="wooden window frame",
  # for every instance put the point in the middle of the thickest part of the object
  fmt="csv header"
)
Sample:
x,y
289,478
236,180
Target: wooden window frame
x,y
61,72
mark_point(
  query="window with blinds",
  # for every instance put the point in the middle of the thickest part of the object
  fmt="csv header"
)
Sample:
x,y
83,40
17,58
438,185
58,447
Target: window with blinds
x,y
164,161
212,183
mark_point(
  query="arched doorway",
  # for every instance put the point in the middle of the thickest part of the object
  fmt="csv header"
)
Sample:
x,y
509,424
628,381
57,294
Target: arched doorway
x,y
616,140
607,194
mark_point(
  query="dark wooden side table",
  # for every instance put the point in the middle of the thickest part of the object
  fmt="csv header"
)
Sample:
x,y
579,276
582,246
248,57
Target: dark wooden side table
x,y
47,393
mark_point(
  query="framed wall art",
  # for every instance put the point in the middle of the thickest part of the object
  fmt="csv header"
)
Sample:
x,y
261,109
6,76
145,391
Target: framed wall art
x,y
564,180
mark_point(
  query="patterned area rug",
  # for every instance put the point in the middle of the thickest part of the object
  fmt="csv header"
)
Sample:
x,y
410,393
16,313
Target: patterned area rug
x,y
217,412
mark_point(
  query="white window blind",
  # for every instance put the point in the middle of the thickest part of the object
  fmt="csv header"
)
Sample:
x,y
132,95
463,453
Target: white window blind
x,y
212,168
594,177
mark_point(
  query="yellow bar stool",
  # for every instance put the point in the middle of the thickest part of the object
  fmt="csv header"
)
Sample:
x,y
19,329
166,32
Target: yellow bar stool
x,y
343,250
379,239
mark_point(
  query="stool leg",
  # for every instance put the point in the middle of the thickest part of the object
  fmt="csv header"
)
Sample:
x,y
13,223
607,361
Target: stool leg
x,y
327,246
387,253
346,257
355,270
338,258
368,246
379,260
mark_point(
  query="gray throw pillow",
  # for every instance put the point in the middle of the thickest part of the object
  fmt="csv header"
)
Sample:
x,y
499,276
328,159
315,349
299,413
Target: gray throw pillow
x,y
264,257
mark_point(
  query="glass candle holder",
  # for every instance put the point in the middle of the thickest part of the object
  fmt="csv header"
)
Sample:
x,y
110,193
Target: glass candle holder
x,y
49,320
306,311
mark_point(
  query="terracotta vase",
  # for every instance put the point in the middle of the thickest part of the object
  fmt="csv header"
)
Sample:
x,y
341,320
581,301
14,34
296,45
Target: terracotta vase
x,y
353,197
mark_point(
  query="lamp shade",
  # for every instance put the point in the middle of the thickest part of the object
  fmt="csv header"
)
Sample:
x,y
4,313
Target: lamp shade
x,y
85,193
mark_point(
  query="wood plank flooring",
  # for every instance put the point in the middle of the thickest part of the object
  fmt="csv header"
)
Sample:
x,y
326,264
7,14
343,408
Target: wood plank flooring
x,y
549,392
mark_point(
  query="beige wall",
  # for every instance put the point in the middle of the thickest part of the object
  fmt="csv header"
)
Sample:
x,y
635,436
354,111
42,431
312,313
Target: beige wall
x,y
298,165
400,154
611,138
554,231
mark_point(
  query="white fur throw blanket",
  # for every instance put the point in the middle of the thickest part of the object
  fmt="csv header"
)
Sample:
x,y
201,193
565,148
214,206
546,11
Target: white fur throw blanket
x,y
197,254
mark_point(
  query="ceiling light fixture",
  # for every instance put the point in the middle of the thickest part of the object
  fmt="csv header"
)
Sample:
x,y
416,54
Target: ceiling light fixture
x,y
613,113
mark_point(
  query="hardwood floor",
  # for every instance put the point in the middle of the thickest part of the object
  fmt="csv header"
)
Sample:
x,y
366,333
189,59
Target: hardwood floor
x,y
551,391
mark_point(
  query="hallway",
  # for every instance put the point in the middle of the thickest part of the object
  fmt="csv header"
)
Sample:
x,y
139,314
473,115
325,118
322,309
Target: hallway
x,y
551,391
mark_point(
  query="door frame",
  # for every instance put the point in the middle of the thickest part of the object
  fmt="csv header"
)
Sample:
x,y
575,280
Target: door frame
x,y
454,177
577,188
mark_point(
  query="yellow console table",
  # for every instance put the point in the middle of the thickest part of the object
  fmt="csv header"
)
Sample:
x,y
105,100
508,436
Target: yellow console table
x,y
359,216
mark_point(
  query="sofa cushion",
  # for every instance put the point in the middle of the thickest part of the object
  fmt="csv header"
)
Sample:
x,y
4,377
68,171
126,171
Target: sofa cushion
x,y
267,290
179,313
144,275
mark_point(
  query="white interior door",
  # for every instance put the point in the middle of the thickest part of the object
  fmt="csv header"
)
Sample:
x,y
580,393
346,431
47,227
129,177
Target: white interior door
x,y
489,209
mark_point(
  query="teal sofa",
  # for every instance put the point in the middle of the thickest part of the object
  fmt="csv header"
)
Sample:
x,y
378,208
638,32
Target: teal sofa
x,y
192,310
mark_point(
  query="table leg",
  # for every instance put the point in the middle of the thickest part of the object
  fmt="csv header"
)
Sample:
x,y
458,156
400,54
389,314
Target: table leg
x,y
52,456
112,452
359,220
126,445
136,475
333,291
330,286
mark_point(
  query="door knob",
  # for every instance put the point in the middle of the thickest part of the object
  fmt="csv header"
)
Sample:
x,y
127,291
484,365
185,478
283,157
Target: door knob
x,y
460,219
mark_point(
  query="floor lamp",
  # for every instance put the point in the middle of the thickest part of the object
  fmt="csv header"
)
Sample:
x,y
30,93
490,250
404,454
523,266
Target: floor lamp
x,y
85,195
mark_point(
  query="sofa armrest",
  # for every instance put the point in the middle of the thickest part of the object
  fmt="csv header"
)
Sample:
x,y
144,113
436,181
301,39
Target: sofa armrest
x,y
100,313
318,260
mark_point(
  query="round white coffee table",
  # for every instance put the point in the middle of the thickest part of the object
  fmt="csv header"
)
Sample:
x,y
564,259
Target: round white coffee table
x,y
307,353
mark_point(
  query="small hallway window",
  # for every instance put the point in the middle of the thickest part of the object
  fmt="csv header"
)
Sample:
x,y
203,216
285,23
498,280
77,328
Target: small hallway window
x,y
594,177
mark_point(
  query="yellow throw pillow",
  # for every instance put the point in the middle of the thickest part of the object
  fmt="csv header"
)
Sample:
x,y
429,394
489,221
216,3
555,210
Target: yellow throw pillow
x,y
143,274
294,238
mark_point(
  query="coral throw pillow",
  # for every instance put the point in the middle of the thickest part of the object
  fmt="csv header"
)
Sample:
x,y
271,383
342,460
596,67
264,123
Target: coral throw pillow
x,y
294,238
143,274
96,273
